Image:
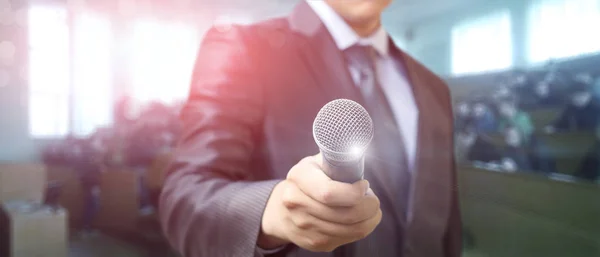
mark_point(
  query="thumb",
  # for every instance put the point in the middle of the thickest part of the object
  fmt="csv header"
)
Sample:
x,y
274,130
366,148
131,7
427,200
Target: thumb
x,y
318,158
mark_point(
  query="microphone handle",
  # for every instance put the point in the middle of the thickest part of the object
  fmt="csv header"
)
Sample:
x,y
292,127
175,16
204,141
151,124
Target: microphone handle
x,y
347,173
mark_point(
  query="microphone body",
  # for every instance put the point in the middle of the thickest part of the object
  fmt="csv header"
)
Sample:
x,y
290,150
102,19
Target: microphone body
x,y
347,172
343,131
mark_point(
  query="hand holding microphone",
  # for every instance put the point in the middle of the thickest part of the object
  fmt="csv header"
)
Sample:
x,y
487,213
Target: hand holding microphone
x,y
324,202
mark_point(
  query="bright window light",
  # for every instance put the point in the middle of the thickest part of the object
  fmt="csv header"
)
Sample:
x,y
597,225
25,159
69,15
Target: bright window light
x,y
162,61
482,44
48,72
563,28
92,70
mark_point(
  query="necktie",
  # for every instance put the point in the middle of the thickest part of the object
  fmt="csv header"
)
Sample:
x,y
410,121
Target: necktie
x,y
386,156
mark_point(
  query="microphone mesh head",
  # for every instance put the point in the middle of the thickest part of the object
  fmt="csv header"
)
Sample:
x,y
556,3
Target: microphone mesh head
x,y
343,130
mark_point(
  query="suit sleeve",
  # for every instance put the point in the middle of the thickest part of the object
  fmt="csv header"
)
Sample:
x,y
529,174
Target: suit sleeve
x,y
212,203
453,236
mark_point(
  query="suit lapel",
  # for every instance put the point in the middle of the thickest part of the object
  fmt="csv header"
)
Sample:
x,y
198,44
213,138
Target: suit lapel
x,y
330,70
321,55
431,180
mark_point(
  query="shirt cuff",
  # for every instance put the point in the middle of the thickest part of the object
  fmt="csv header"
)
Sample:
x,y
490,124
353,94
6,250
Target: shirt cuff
x,y
270,251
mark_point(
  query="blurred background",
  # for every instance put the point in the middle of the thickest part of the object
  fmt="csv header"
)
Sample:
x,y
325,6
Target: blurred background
x,y
90,92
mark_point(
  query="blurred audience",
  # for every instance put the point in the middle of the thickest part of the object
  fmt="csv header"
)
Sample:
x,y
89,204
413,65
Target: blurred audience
x,y
136,138
475,147
580,114
590,166
463,115
511,115
516,151
545,94
499,131
484,117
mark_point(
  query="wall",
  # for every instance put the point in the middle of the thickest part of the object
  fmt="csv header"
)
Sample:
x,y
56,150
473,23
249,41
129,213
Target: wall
x,y
15,144
431,37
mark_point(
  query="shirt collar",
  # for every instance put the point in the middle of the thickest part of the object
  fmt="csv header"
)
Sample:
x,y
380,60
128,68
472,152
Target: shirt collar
x,y
342,33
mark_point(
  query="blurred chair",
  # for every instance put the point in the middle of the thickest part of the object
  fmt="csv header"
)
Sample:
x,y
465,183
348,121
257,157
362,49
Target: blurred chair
x,y
53,193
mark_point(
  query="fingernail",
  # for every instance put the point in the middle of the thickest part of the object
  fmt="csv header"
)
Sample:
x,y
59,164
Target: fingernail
x,y
370,192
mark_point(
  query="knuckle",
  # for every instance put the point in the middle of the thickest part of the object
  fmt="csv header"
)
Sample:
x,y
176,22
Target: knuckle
x,y
288,199
303,223
320,244
362,232
294,171
307,159
326,196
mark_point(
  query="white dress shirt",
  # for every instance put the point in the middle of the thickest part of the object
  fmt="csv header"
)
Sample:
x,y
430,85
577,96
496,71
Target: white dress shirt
x,y
390,73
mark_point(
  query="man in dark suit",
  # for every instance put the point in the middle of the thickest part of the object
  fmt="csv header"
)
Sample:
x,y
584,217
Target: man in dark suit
x,y
241,184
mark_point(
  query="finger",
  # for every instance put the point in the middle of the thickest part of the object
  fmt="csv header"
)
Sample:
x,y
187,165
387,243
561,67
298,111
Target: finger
x,y
365,210
306,222
317,242
311,179
294,199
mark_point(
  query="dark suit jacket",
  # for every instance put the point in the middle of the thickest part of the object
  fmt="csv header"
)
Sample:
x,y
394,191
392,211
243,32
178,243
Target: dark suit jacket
x,y
255,93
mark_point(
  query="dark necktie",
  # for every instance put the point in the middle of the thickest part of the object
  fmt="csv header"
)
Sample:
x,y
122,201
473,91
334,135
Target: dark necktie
x,y
386,156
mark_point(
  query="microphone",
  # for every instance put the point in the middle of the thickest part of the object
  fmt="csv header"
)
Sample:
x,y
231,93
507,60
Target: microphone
x,y
343,131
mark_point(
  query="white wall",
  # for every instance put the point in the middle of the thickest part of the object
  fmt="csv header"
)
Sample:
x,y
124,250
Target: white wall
x,y
431,40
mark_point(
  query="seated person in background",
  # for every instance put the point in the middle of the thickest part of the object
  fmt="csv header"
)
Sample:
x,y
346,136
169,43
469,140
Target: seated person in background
x,y
502,92
142,147
589,169
545,95
511,115
473,147
477,149
596,88
463,115
581,114
585,78
522,155
521,83
484,117
86,160
516,155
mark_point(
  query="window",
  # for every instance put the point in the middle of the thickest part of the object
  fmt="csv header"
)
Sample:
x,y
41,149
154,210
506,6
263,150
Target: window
x,y
48,72
92,80
563,28
70,84
162,61
482,44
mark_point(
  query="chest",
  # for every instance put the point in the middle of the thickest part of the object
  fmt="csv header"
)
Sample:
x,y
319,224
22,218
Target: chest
x,y
295,95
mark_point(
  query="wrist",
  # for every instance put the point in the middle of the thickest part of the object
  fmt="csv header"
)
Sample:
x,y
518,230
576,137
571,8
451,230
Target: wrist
x,y
268,242
270,235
